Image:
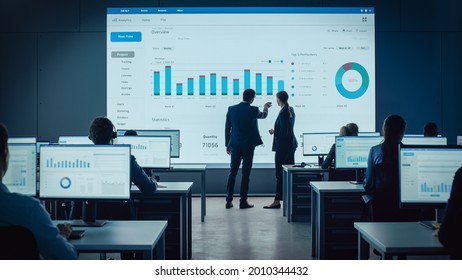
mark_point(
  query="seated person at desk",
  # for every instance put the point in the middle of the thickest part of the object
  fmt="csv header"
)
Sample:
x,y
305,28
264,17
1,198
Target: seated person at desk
x,y
28,212
381,182
449,232
102,132
350,129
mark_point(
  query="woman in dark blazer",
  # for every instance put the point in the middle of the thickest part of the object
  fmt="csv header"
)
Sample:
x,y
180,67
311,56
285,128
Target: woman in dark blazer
x,y
284,143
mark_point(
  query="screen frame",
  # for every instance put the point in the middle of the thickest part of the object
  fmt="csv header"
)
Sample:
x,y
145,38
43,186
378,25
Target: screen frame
x,y
422,204
35,192
147,137
334,134
53,197
121,132
355,137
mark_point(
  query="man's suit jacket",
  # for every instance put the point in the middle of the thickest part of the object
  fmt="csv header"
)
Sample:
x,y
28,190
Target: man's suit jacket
x,y
241,128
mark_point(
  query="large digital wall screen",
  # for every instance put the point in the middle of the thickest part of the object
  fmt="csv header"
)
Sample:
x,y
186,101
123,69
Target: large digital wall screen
x,y
180,68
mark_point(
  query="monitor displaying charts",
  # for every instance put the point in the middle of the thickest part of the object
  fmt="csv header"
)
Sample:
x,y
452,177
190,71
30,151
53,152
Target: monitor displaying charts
x,y
353,151
173,133
79,140
21,176
318,143
21,140
85,172
426,174
149,151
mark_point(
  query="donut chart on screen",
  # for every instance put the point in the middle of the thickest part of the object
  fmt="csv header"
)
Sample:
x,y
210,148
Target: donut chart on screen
x,y
352,66
65,182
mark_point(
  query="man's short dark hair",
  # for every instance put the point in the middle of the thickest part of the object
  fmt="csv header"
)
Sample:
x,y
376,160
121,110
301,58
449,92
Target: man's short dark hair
x,y
430,129
248,95
3,137
101,131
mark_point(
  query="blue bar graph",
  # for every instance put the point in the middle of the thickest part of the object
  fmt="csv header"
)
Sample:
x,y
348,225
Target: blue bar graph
x,y
280,85
179,89
246,79
202,85
438,188
168,80
269,85
156,83
258,83
67,164
356,159
235,86
138,147
190,86
213,84
224,85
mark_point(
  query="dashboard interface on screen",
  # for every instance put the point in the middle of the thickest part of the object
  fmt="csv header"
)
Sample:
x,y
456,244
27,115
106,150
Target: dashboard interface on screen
x,y
416,140
149,151
21,176
353,151
183,67
79,140
174,134
426,173
85,171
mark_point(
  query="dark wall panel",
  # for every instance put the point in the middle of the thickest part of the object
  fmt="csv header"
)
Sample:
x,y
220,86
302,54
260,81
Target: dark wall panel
x,y
93,13
408,72
387,13
18,83
72,82
432,15
39,16
452,85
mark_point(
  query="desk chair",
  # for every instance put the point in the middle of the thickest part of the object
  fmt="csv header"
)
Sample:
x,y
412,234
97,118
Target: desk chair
x,y
17,243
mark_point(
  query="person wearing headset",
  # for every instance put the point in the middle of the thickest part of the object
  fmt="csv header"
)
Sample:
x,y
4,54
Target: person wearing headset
x,y
350,129
102,132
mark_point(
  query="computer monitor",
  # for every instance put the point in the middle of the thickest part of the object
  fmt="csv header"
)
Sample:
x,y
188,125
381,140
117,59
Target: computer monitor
x,y
21,176
85,172
368,133
21,140
318,144
351,152
426,173
173,133
420,140
149,151
74,140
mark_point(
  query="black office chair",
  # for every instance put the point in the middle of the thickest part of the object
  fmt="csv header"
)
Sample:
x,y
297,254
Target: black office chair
x,y
18,243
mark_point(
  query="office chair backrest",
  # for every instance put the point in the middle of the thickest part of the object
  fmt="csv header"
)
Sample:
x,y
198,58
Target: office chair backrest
x,y
385,203
18,243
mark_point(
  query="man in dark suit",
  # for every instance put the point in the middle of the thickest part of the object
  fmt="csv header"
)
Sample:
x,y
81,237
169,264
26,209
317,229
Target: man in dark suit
x,y
242,136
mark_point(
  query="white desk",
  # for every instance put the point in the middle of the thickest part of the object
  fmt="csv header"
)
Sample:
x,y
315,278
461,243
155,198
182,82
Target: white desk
x,y
192,168
397,239
172,203
119,236
305,174
335,207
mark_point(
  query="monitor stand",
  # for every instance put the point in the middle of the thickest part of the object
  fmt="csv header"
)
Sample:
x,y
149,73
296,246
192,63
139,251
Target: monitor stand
x,y
89,216
433,224
359,177
320,160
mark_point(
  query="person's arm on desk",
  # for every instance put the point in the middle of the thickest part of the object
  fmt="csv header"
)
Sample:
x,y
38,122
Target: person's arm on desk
x,y
141,179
